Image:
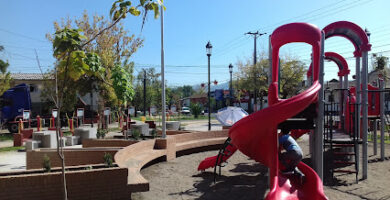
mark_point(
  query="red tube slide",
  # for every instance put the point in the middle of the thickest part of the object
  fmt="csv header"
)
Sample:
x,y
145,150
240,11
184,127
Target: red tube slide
x,y
256,135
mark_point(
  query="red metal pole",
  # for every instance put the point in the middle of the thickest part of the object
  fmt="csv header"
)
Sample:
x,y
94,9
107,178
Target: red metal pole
x,y
38,123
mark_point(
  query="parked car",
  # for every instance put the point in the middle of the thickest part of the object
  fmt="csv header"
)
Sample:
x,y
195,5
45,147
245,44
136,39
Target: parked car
x,y
185,111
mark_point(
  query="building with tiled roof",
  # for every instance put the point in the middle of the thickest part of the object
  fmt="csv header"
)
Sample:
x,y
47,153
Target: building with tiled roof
x,y
30,76
36,81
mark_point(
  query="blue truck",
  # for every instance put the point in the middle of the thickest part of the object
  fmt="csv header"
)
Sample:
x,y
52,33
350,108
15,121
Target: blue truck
x,y
12,103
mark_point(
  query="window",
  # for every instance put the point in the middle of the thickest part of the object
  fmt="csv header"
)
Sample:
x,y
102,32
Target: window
x,y
5,102
33,88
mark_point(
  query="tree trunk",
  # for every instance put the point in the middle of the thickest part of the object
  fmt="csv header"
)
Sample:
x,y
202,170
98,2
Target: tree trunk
x,y
60,151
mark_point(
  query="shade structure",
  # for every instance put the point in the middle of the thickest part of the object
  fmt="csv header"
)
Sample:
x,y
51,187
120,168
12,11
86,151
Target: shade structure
x,y
230,115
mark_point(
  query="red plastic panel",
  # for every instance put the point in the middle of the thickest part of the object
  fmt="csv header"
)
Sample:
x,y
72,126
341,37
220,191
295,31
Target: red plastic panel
x,y
352,32
338,59
348,111
289,33
373,100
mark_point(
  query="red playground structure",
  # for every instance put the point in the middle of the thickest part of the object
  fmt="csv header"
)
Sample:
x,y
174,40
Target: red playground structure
x,y
260,140
342,126
257,134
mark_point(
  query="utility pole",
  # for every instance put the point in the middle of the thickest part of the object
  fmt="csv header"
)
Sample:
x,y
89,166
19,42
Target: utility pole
x,y
144,92
164,134
255,35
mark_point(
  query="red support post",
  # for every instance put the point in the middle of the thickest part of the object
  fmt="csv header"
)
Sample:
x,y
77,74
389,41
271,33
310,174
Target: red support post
x,y
38,123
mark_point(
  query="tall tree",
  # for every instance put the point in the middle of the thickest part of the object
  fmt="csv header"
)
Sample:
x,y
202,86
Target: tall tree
x,y
251,77
187,90
68,44
292,73
380,64
5,76
153,89
114,47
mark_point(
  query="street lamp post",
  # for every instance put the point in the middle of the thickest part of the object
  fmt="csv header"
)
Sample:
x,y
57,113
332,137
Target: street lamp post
x,y
231,85
209,47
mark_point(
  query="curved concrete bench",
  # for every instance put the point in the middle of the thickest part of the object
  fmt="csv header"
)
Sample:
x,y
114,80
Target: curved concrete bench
x,y
134,157
193,140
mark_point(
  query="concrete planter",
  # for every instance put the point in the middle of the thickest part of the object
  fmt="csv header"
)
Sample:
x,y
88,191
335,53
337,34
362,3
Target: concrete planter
x,y
173,125
73,156
142,128
82,183
85,133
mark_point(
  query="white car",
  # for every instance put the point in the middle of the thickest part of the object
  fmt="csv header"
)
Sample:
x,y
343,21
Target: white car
x,y
185,111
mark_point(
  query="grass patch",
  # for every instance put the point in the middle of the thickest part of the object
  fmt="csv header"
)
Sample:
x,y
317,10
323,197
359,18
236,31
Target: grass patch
x,y
175,118
67,133
7,149
6,136
116,129
378,139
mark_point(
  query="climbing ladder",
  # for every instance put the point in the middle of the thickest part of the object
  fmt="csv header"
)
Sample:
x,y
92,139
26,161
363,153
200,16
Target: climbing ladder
x,y
342,144
223,154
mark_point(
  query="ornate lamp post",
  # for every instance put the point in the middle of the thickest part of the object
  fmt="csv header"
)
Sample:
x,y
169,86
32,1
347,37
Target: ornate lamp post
x,y
231,85
209,47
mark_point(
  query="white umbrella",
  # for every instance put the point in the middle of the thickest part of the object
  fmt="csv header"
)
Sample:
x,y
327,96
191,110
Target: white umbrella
x,y
230,115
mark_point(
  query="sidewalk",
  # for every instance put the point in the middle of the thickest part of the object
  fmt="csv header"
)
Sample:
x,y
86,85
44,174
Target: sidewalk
x,y
12,160
7,143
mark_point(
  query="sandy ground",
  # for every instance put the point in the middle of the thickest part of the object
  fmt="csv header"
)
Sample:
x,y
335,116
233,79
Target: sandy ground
x,y
243,178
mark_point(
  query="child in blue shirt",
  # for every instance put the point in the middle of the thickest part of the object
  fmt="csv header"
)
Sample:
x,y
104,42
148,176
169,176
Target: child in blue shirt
x,y
290,156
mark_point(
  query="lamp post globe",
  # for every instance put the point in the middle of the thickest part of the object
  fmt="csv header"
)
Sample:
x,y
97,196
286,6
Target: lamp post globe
x,y
231,85
209,48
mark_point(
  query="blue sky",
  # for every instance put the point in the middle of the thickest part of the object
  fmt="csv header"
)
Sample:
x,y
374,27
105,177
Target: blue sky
x,y
188,27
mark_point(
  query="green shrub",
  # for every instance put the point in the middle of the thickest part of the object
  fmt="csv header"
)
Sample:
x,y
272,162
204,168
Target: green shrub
x,y
46,163
154,133
89,168
196,109
101,133
136,134
107,159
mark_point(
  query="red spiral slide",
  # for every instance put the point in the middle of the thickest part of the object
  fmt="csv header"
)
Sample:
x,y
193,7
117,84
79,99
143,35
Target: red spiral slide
x,y
256,137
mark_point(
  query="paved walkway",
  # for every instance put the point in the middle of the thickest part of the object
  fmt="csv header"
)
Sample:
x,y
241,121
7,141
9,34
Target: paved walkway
x,y
7,143
12,160
16,160
201,125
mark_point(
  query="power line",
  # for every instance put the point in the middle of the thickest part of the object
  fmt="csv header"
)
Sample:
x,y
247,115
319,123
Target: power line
x,y
22,35
23,56
302,15
24,48
338,10
233,46
328,10
8,45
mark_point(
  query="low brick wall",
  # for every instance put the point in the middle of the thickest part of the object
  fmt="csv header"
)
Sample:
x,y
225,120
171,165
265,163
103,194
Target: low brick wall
x,y
81,184
87,143
112,183
169,132
200,135
73,157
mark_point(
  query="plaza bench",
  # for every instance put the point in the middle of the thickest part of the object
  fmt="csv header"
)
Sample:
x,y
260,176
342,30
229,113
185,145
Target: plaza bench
x,y
194,140
134,157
